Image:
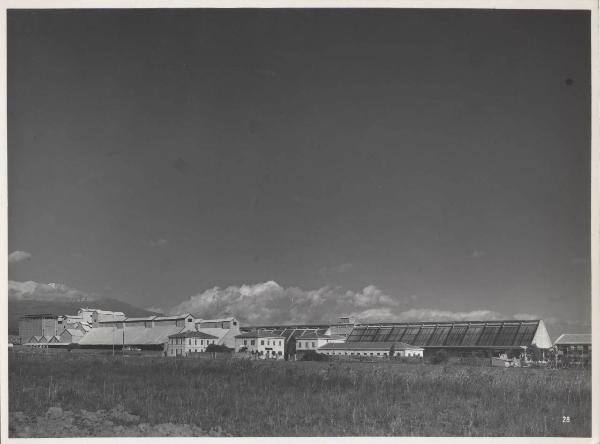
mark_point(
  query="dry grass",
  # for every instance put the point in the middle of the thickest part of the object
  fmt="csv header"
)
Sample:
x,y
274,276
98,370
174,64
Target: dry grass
x,y
250,398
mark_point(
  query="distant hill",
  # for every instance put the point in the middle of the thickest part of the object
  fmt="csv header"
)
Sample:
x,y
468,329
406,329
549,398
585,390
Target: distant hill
x,y
18,308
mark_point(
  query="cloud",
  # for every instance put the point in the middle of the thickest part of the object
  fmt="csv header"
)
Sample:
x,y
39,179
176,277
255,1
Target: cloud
x,y
35,291
475,254
156,310
269,302
18,256
158,242
341,268
526,316
426,314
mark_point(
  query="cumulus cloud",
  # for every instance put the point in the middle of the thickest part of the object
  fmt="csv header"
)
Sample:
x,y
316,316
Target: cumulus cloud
x,y
35,291
526,316
425,314
269,302
18,256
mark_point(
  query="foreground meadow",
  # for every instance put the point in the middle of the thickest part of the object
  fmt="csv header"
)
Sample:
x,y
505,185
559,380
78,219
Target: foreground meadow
x,y
76,395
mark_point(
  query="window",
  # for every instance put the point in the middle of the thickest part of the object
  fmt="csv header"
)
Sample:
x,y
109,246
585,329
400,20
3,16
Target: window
x,y
252,342
245,342
456,334
268,342
439,335
313,345
299,344
279,343
195,341
262,342
234,323
424,335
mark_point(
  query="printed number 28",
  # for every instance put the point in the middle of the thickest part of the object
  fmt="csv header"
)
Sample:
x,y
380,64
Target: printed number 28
x,y
566,419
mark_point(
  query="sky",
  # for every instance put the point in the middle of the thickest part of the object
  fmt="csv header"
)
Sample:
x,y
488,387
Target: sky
x,y
300,164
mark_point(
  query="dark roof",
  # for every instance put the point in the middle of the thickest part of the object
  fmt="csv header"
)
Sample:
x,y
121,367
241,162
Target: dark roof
x,y
259,334
479,334
316,335
574,338
193,334
43,315
172,318
283,326
368,346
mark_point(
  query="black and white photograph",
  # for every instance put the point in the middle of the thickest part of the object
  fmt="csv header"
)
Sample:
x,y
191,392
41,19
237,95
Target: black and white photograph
x,y
299,221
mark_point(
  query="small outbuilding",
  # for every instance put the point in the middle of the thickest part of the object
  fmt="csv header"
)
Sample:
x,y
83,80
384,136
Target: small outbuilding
x,y
372,349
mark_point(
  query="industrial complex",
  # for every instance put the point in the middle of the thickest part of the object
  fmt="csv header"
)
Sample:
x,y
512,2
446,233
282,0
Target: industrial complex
x,y
186,335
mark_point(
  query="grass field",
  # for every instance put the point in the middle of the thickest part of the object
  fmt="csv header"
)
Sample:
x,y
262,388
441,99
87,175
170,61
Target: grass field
x,y
258,398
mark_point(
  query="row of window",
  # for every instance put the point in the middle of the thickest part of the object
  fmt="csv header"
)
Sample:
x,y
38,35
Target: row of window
x,y
262,342
181,341
369,353
313,344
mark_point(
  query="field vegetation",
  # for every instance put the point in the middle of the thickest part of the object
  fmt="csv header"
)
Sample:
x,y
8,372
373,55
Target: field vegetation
x,y
304,398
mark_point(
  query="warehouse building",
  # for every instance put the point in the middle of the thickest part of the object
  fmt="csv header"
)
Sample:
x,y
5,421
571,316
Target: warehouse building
x,y
471,338
145,338
37,325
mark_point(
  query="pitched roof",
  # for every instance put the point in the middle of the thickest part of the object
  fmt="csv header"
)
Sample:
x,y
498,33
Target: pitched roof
x,y
147,318
193,334
259,334
36,316
368,346
317,335
130,335
574,338
171,318
215,320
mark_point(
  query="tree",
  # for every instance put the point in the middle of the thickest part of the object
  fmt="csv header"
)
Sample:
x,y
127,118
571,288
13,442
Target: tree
x,y
392,350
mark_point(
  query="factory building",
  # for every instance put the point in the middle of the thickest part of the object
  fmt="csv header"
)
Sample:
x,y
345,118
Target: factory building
x,y
37,325
472,338
262,342
105,315
186,342
71,335
145,338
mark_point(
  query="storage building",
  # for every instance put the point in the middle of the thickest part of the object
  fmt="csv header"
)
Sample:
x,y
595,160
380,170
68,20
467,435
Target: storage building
x,y
474,338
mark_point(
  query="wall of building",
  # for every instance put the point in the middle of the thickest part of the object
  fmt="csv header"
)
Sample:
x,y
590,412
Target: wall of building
x,y
184,346
29,327
268,347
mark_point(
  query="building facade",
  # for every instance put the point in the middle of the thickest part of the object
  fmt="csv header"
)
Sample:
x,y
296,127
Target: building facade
x,y
263,343
311,341
37,325
372,350
186,342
